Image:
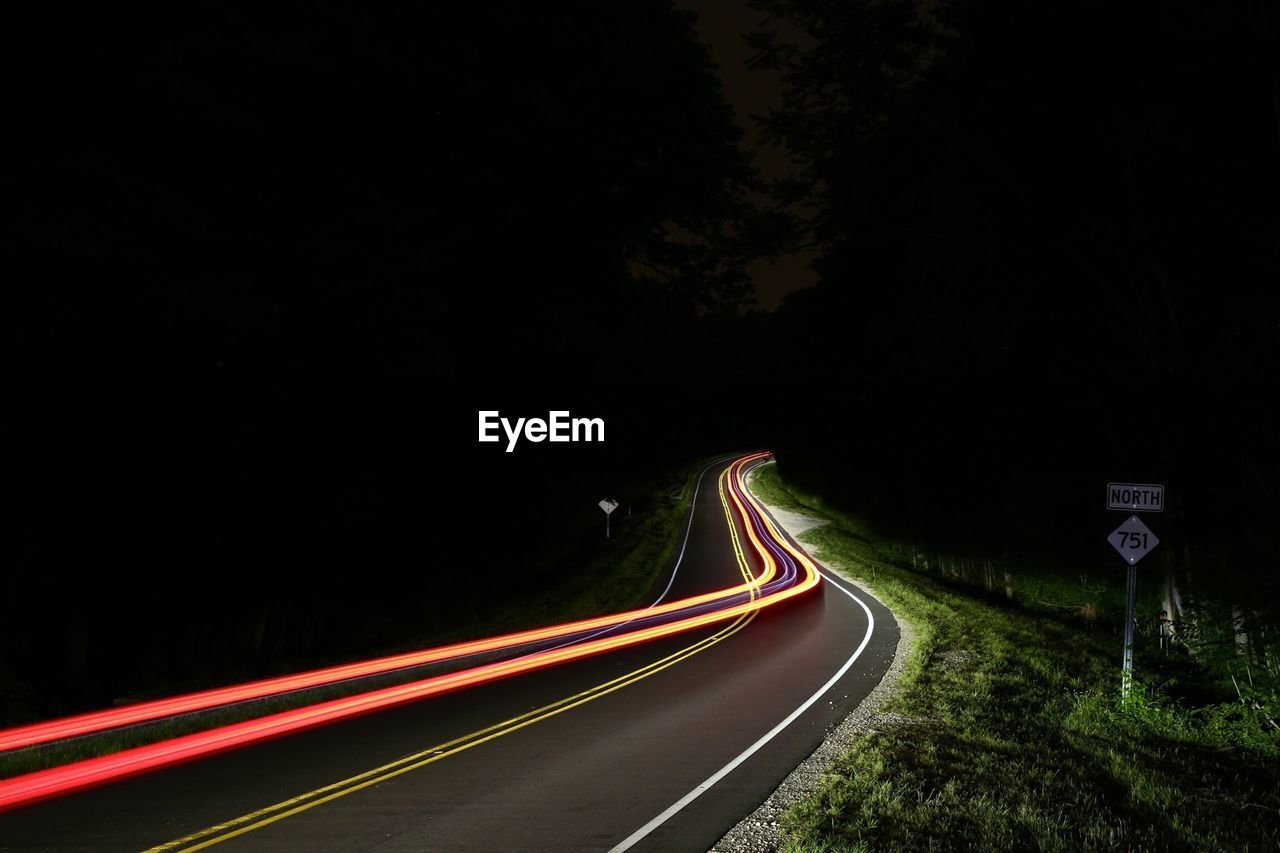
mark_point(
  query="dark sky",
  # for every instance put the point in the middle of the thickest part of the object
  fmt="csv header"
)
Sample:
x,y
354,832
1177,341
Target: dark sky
x,y
722,24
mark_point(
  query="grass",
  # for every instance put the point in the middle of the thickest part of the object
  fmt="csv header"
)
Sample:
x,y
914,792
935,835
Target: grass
x,y
620,571
612,576
1006,733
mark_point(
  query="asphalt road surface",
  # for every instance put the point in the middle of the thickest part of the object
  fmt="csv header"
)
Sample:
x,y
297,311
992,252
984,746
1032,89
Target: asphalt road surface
x,y
660,746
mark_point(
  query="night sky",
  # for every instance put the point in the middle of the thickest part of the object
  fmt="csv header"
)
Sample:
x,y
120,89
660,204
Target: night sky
x,y
752,92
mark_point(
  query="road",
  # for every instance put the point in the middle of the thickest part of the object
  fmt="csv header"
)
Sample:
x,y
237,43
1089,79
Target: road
x,y
661,745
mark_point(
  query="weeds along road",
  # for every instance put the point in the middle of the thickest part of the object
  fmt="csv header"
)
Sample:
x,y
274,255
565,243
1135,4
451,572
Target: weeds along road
x,y
657,745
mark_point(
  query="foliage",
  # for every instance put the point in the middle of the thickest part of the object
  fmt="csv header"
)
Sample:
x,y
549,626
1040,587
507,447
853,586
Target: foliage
x,y
1047,260
268,263
1006,733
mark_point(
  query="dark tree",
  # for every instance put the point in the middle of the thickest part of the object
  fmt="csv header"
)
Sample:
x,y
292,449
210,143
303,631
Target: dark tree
x,y
1049,253
264,261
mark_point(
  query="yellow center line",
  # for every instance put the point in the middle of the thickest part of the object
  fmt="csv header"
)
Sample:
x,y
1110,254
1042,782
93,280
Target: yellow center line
x,y
303,802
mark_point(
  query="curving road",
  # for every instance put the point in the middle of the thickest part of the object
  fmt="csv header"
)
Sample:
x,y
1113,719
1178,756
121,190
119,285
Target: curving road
x,y
657,731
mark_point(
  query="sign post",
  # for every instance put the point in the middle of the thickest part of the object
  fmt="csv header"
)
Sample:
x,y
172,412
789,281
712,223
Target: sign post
x,y
608,506
1132,540
1126,671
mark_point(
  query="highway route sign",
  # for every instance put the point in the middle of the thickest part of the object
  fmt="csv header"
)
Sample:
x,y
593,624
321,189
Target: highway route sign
x,y
1135,497
1133,540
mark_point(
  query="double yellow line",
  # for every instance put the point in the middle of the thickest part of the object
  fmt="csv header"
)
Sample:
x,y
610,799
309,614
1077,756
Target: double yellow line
x,y
303,802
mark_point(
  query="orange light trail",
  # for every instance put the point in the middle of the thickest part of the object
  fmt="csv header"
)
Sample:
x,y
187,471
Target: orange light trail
x,y
28,788
128,715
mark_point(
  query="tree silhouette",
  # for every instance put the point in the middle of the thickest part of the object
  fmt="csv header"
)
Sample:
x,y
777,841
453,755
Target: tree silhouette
x,y
265,263
1048,252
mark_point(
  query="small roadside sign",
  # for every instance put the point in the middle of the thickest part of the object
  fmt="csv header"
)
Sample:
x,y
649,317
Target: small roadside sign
x,y
1135,497
1133,540
608,506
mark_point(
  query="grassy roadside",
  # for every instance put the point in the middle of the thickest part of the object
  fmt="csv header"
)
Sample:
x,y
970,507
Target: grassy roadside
x,y
1006,734
620,571
613,575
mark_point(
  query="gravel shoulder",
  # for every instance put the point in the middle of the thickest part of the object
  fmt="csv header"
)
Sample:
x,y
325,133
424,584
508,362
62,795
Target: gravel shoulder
x,y
761,830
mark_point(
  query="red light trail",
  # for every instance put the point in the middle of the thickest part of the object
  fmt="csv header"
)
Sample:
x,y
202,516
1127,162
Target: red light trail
x,y
799,576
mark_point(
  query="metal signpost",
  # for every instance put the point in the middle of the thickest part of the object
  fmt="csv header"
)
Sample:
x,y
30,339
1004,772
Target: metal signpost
x,y
608,506
1132,540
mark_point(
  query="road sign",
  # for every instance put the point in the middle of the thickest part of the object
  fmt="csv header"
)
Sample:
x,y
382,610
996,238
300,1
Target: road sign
x,y
1135,497
608,506
1133,539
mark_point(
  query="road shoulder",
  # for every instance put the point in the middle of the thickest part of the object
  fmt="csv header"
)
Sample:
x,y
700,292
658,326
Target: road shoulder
x,y
761,830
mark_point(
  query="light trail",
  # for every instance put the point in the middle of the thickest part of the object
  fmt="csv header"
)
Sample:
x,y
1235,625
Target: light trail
x,y
236,827
771,587
97,721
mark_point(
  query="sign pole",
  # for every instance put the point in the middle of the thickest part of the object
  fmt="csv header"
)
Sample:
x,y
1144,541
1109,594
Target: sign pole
x,y
1126,677
1133,540
608,506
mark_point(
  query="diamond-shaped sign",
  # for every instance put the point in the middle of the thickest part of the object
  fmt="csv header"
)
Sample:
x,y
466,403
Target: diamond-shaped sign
x,y
1133,539
608,506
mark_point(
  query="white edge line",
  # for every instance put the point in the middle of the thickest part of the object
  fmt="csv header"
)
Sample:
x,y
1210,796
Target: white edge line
x,y
637,836
693,505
